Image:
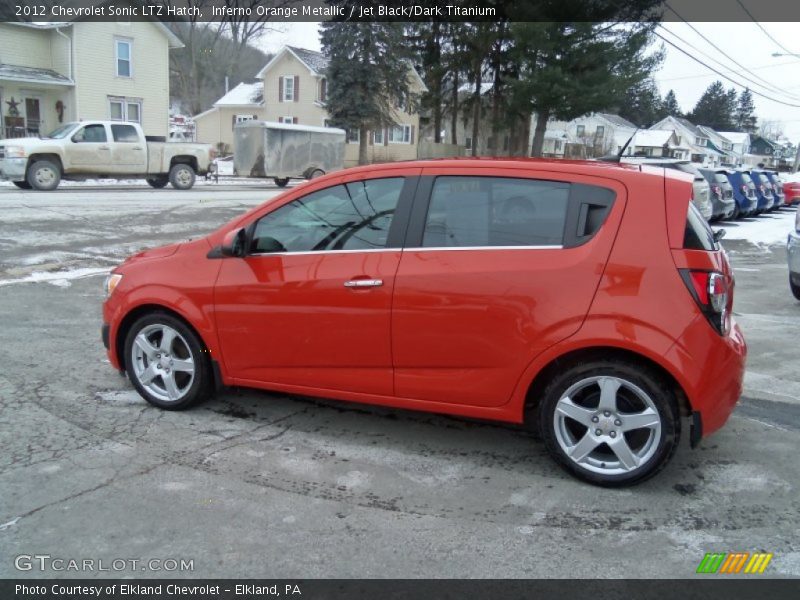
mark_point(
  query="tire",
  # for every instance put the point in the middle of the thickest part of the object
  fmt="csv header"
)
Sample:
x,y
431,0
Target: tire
x,y
629,389
157,183
23,185
152,368
44,175
182,176
736,213
281,182
316,173
794,287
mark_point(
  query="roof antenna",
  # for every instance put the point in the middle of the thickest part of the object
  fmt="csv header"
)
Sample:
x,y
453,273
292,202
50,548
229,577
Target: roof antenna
x,y
617,157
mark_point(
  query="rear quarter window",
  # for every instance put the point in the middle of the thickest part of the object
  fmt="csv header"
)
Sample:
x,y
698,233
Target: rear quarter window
x,y
698,235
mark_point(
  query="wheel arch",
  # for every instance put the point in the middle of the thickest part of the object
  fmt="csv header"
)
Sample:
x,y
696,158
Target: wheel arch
x,y
44,156
184,159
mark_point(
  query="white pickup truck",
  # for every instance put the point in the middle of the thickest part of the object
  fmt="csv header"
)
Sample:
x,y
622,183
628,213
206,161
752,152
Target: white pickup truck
x,y
101,149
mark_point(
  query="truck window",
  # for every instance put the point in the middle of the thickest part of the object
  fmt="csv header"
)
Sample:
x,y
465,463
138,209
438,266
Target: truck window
x,y
124,133
95,134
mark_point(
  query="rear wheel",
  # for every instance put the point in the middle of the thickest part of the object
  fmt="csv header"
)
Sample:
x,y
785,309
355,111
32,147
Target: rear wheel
x,y
182,176
736,212
795,286
44,175
316,173
157,183
167,362
609,422
281,181
23,185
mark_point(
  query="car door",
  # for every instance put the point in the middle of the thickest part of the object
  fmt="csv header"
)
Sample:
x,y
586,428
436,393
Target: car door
x,y
309,306
499,265
128,150
89,150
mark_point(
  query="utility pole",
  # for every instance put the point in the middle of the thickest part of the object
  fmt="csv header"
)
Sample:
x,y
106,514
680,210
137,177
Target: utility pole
x,y
796,160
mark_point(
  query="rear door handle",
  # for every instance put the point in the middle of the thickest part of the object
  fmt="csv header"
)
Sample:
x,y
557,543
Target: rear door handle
x,y
363,283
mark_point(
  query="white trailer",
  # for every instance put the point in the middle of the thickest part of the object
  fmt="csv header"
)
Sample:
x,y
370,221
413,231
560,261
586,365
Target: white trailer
x,y
283,152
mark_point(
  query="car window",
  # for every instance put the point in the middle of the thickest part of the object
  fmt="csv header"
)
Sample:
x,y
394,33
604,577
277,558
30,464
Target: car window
x,y
496,211
353,216
91,133
698,234
721,177
124,133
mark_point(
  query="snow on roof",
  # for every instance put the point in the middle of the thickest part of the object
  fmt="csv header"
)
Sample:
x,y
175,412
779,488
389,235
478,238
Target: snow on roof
x,y
32,75
316,61
652,137
617,120
290,127
244,94
555,134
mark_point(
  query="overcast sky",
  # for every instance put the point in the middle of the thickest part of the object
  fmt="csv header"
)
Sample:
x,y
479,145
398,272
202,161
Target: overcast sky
x,y
777,78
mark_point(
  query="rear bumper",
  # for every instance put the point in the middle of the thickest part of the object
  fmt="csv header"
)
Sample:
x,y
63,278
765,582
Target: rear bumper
x,y
13,169
712,373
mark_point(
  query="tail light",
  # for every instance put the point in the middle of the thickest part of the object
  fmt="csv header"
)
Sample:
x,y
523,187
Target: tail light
x,y
713,292
744,189
717,190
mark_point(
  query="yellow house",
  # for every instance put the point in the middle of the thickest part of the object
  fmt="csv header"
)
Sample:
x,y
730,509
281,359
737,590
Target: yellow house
x,y
291,88
53,73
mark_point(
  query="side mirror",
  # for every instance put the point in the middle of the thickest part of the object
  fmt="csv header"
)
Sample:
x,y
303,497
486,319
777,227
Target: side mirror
x,y
719,234
233,244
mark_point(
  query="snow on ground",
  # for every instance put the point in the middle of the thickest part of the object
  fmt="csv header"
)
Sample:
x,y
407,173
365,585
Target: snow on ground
x,y
57,278
764,230
200,182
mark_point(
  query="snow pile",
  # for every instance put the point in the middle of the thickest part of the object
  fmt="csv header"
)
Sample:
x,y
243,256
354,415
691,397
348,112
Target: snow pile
x,y
765,230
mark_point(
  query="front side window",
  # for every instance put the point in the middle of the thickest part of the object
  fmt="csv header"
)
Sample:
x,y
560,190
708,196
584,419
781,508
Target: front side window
x,y
352,216
496,211
124,58
94,134
124,134
353,136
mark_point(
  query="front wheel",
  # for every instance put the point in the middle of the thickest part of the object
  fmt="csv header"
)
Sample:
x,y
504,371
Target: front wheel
x,y
44,175
281,181
167,362
157,183
609,422
182,176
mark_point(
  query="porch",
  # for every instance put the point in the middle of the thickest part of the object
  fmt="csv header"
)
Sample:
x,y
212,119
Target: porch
x,y
33,101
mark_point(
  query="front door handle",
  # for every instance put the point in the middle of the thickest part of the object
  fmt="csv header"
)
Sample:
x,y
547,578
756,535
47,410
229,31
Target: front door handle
x,y
103,148
363,283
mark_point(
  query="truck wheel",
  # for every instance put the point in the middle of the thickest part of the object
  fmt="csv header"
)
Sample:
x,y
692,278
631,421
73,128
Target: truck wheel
x,y
281,181
23,185
316,173
44,175
181,176
157,183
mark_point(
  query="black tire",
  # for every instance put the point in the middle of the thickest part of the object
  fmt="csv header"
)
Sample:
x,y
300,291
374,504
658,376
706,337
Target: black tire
x,y
23,185
44,175
316,173
182,176
656,453
795,287
186,345
281,182
737,214
157,183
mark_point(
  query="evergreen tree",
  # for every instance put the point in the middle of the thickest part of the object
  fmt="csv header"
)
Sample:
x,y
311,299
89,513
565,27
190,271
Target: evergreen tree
x,y
669,107
744,117
368,76
715,108
642,105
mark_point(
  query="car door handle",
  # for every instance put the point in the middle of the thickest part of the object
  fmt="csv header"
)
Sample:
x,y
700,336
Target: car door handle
x,y
103,147
363,283
137,147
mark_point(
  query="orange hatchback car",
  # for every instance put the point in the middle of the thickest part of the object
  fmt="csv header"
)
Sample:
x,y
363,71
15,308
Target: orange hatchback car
x,y
588,299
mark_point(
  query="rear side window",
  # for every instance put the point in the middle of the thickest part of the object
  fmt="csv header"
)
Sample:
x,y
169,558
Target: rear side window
x,y
124,133
496,211
698,234
721,177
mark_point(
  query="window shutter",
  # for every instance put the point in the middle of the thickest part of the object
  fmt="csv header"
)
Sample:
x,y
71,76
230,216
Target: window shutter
x,y
297,88
323,89
233,121
371,139
412,135
386,137
294,120
280,89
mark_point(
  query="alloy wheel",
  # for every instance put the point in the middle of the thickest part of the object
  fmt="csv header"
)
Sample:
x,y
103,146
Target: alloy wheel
x,y
162,362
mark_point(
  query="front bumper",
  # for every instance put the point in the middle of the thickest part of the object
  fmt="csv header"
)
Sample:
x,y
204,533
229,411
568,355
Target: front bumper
x,y
793,254
13,169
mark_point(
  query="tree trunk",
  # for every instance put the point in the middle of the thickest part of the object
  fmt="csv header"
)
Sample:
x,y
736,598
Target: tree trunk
x,y
523,145
437,114
454,116
476,111
362,145
538,134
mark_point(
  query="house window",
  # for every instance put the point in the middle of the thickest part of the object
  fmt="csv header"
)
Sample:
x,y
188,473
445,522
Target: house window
x,y
243,118
287,120
400,134
377,136
123,58
700,142
288,88
600,131
122,109
581,130
468,143
323,90
558,146
353,136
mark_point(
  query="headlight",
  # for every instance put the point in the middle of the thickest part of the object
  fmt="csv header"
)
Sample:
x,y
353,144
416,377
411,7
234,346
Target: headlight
x,y
111,283
15,152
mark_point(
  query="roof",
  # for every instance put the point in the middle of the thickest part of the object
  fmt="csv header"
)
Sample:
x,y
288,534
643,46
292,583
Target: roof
x,y
291,127
617,120
652,137
174,40
689,125
244,94
32,75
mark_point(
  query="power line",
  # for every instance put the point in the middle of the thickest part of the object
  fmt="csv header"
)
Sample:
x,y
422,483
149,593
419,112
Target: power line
x,y
723,53
766,33
694,58
769,66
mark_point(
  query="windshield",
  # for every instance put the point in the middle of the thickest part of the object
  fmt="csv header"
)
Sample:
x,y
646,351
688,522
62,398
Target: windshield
x,y
746,178
60,132
721,177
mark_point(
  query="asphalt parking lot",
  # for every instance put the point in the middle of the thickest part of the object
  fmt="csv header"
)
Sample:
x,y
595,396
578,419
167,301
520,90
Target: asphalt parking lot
x,y
252,484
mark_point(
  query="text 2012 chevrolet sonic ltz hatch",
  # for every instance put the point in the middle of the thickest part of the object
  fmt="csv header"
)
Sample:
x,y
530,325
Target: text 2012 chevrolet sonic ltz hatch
x,y
588,299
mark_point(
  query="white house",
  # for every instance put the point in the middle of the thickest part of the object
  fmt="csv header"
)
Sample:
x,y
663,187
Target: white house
x,y
589,136
658,143
692,137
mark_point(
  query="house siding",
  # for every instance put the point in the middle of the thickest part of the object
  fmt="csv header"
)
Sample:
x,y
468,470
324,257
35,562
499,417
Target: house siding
x,y
95,72
25,46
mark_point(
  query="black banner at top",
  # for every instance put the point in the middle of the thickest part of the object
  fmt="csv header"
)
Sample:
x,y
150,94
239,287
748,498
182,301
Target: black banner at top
x,y
401,10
